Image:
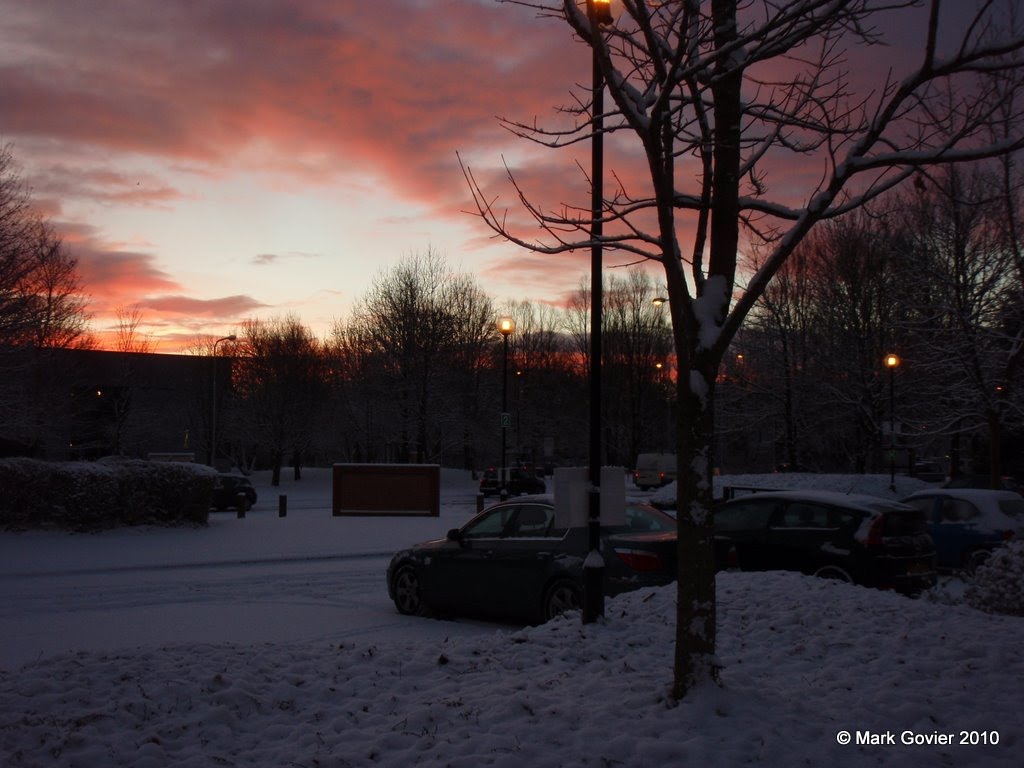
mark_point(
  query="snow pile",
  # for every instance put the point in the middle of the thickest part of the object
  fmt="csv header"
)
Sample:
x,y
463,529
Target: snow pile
x,y
998,585
805,661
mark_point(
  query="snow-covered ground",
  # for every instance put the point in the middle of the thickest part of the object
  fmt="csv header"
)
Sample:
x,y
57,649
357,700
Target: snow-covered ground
x,y
270,642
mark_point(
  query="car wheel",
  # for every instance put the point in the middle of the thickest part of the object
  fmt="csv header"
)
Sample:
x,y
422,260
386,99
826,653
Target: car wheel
x,y
834,572
408,599
562,596
974,559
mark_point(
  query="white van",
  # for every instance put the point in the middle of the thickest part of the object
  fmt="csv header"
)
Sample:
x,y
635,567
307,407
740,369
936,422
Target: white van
x,y
654,470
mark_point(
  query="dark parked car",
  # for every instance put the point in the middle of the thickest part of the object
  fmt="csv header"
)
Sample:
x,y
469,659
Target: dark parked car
x,y
512,562
929,471
232,491
967,523
854,538
519,481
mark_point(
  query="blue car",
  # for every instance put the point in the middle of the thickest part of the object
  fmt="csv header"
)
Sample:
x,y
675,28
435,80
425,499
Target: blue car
x,y
967,523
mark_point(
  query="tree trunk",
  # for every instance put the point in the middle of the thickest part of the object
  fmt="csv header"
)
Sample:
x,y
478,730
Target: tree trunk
x,y
699,351
695,659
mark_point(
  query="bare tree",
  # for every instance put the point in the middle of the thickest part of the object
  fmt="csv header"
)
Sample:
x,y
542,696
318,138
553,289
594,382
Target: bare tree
x,y
41,299
128,338
962,313
415,322
716,94
53,293
636,342
547,394
854,293
279,377
16,230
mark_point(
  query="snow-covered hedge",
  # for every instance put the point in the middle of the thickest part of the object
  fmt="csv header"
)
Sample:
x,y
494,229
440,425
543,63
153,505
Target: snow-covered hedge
x,y
998,585
103,494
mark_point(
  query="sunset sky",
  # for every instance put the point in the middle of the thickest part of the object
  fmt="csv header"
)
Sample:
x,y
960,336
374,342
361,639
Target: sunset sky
x,y
216,161
210,161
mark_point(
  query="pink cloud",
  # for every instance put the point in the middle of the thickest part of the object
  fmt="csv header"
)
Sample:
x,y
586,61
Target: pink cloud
x,y
227,307
115,278
393,87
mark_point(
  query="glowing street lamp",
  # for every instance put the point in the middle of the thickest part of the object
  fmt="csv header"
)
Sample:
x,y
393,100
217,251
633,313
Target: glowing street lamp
x,y
892,362
601,10
213,418
506,327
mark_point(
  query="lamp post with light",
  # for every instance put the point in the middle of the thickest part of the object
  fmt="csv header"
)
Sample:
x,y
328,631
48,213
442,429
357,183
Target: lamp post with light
x,y
598,12
892,362
213,418
506,327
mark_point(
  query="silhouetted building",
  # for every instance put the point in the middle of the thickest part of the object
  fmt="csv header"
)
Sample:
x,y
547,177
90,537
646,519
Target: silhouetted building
x,y
83,404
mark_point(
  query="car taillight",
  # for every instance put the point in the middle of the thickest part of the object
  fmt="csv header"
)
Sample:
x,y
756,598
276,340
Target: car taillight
x,y
875,532
640,559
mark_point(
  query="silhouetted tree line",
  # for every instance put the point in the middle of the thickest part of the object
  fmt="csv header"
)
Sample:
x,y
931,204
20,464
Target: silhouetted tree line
x,y
935,275
414,374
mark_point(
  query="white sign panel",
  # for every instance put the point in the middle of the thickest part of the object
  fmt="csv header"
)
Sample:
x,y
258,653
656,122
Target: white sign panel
x,y
572,504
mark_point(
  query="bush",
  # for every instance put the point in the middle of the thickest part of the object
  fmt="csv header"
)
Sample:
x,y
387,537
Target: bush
x,y
95,495
998,585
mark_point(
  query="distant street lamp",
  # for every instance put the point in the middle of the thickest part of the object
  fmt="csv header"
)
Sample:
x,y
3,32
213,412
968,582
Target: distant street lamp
x,y
213,418
506,327
599,12
892,362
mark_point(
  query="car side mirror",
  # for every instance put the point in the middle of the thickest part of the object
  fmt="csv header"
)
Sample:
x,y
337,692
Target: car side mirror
x,y
455,535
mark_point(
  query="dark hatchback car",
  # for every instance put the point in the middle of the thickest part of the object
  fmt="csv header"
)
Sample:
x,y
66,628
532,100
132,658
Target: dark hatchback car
x,y
232,491
511,562
855,538
518,480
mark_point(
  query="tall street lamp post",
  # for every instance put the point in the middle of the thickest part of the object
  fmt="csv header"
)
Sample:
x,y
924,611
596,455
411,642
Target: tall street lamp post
x,y
213,417
598,12
506,327
892,362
